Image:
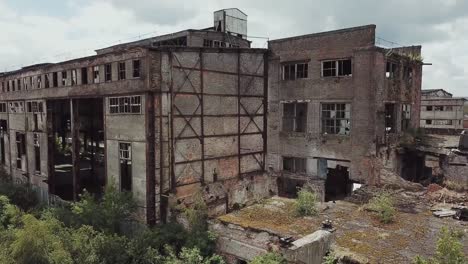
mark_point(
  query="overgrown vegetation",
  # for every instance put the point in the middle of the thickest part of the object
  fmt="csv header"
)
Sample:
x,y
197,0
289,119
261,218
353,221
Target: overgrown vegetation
x,y
382,204
449,249
91,232
19,194
306,203
330,258
269,258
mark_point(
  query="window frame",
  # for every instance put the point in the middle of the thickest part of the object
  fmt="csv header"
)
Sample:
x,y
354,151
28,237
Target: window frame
x,y
122,71
336,119
295,117
290,72
295,162
337,65
124,105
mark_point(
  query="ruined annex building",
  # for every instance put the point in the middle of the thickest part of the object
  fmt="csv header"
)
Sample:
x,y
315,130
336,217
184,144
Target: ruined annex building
x,y
199,110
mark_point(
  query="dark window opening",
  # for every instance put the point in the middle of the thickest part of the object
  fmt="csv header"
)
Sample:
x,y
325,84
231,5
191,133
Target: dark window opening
x,y
18,84
37,154
413,167
391,70
136,68
122,73
39,82
84,75
438,108
207,43
20,151
46,81
429,108
13,85
337,68
64,78
337,184
54,79
3,133
295,71
125,154
294,117
182,41
294,165
405,116
108,72
336,118
390,118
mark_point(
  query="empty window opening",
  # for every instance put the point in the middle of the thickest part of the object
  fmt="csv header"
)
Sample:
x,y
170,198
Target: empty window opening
x,y
428,122
37,153
84,75
13,84
337,184
108,72
3,108
413,167
125,155
18,84
96,74
46,81
294,165
136,68
294,117
125,105
337,68
54,79
3,134
391,70
122,73
39,82
207,43
429,108
182,41
293,71
390,118
21,151
405,116
438,108
64,78
336,118
73,77
25,84
407,73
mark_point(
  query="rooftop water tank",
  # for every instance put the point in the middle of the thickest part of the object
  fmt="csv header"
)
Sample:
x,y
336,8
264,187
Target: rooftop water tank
x,y
232,21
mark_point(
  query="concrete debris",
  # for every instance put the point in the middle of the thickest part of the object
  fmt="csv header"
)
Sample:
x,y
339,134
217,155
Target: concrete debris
x,y
445,213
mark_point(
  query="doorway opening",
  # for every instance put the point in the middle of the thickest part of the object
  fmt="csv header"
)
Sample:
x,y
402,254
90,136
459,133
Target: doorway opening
x,y
337,185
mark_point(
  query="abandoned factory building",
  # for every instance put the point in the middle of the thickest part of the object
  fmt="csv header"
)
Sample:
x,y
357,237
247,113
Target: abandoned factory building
x,y
198,110
441,112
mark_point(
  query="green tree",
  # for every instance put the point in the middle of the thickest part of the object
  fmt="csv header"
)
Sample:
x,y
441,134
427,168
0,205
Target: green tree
x,y
269,258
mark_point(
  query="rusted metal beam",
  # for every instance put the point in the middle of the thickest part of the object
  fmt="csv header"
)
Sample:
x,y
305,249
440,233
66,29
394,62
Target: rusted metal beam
x,y
150,161
171,121
75,134
265,108
222,135
239,159
221,115
221,157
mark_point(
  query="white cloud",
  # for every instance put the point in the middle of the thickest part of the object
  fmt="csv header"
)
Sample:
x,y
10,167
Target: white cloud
x,y
439,25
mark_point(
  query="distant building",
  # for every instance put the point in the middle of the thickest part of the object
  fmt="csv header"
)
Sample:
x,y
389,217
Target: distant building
x,y
441,112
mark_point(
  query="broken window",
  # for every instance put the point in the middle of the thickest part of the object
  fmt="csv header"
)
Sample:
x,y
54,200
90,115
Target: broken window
x,y
294,117
405,116
84,75
336,118
3,108
37,153
55,79
34,107
448,108
391,70
136,68
64,78
3,87
125,157
292,71
16,107
438,108
443,122
13,85
108,72
20,151
429,108
207,43
390,118
73,77
8,86
18,84
428,122
96,74
122,71
25,83
125,105
294,165
336,68
46,81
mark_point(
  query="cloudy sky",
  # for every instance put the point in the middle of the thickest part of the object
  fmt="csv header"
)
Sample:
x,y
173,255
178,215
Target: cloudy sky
x,y
54,30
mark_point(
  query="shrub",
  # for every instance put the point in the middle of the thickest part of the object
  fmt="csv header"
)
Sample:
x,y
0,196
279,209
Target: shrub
x,y
20,194
192,256
10,215
382,204
330,258
449,249
306,203
269,258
